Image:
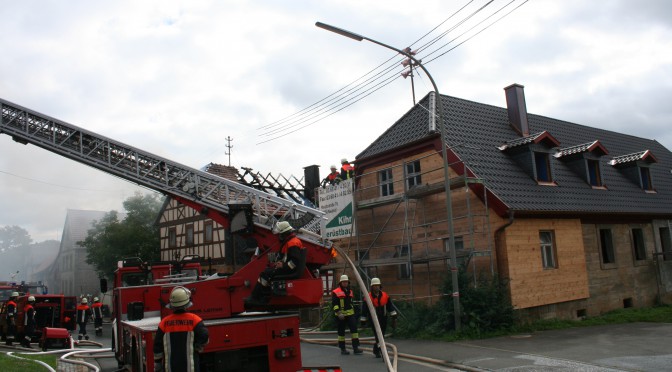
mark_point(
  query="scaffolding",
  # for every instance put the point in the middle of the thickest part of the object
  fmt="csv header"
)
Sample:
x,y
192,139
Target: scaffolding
x,y
407,229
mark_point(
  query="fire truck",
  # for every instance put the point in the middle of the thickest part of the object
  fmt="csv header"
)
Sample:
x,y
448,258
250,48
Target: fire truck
x,y
260,339
51,311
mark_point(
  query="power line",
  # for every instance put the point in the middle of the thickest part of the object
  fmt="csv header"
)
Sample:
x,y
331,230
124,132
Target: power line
x,y
354,91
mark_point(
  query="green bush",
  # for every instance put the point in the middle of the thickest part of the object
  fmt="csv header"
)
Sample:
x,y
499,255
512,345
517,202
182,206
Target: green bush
x,y
484,308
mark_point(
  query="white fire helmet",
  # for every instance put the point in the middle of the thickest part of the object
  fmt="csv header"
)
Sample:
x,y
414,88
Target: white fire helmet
x,y
375,281
344,278
282,227
180,298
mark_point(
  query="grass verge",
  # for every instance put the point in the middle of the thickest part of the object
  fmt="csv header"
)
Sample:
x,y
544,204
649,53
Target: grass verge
x,y
10,364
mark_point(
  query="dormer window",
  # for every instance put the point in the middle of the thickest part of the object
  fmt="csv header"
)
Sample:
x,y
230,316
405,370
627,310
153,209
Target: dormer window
x,y
637,167
533,154
542,167
584,160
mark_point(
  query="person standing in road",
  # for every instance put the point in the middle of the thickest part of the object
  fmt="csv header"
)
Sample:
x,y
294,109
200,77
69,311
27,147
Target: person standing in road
x,y
382,303
83,315
181,336
28,322
97,309
344,311
11,319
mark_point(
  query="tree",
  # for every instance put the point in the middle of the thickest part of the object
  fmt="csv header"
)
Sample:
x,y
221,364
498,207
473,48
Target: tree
x,y
12,237
111,239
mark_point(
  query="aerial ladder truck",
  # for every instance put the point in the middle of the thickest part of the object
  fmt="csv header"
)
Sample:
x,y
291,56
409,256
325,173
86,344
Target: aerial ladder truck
x,y
240,340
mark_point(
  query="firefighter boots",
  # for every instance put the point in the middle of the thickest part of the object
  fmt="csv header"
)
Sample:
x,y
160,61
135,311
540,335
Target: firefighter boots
x,y
355,346
341,345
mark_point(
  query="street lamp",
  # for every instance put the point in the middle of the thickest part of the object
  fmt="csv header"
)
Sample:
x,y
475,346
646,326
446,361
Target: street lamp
x,y
444,151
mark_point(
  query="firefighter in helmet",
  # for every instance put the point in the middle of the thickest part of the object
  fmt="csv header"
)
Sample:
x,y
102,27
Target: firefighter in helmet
x,y
333,178
28,322
181,336
83,316
344,311
347,170
11,318
97,310
382,303
289,264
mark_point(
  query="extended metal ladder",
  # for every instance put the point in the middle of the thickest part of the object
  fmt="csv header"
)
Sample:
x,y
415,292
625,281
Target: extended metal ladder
x,y
157,173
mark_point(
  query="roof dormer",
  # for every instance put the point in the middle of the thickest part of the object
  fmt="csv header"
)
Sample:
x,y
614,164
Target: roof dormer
x,y
584,160
636,167
533,154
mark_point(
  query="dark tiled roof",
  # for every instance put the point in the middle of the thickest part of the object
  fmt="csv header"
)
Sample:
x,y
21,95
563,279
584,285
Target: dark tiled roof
x,y
584,147
476,130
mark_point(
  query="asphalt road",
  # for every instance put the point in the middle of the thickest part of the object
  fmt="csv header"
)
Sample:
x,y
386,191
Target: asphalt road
x,y
611,348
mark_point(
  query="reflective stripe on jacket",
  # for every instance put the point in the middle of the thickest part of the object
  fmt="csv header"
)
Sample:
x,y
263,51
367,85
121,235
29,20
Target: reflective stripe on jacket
x,y
178,338
342,302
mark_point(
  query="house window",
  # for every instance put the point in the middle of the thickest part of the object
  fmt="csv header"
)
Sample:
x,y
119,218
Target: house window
x,y
594,177
386,182
190,234
666,243
172,238
645,177
548,253
404,268
459,247
607,247
208,231
638,247
543,167
413,176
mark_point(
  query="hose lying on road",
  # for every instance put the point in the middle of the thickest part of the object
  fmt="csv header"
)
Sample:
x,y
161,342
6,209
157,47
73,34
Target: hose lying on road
x,y
68,353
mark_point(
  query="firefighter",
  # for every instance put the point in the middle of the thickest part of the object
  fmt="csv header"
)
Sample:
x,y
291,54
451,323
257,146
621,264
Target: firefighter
x,y
382,303
181,336
29,322
347,170
332,178
344,311
290,264
97,310
11,318
83,316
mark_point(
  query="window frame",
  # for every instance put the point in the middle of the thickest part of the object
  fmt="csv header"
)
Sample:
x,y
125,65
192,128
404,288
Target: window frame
x,y
542,163
386,182
208,232
606,247
172,237
405,270
549,254
413,174
594,172
638,241
645,180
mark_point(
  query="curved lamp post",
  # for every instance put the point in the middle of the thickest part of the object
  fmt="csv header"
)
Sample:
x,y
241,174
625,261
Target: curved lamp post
x,y
444,151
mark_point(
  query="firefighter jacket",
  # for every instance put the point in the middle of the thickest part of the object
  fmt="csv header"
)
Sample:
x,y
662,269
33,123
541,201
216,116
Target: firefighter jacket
x,y
347,171
332,178
341,301
11,310
382,303
83,313
179,339
292,255
97,309
29,317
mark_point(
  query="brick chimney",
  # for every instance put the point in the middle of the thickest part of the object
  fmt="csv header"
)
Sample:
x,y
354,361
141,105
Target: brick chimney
x,y
515,105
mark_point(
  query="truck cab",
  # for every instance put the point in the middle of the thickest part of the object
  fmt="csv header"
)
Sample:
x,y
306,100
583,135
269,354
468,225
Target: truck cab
x,y
53,311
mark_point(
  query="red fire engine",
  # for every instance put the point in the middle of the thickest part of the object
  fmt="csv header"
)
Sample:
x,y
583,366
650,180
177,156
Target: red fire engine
x,y
53,311
265,340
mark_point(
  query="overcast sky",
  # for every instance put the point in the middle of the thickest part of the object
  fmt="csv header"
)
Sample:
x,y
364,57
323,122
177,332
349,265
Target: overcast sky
x,y
176,78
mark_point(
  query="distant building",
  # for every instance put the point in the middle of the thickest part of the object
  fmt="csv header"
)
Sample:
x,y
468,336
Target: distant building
x,y
71,275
